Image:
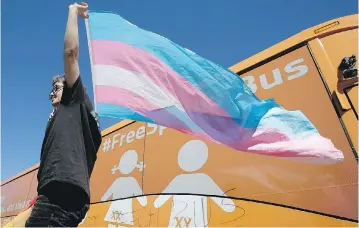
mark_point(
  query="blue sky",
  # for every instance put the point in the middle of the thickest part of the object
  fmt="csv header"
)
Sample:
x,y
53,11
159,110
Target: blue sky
x,y
224,31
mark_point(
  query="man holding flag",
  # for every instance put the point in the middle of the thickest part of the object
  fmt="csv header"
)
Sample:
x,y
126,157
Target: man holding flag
x,y
71,141
143,76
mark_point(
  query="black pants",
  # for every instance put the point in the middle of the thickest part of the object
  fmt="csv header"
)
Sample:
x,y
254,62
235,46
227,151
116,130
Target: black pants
x,y
47,214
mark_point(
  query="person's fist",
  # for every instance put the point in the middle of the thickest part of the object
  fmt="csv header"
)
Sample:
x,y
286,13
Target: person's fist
x,y
81,9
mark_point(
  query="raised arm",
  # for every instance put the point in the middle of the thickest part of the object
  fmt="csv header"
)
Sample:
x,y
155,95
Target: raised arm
x,y
71,47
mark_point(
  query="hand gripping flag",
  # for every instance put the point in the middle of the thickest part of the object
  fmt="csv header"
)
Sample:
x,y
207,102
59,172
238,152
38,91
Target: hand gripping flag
x,y
140,75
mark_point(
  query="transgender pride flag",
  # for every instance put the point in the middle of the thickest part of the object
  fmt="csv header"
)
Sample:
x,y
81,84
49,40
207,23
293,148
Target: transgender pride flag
x,y
142,76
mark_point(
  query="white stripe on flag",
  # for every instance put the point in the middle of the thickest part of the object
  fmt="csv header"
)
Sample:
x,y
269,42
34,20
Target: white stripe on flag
x,y
136,83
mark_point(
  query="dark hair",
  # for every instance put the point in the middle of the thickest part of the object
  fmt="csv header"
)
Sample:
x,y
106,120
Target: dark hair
x,y
58,78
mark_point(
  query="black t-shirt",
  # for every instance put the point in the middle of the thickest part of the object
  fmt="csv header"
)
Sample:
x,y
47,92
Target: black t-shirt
x,y
70,146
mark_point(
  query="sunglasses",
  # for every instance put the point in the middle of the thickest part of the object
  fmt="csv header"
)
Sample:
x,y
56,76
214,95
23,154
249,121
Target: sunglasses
x,y
54,90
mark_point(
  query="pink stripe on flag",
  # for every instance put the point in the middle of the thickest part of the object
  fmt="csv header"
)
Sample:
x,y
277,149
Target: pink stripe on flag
x,y
277,144
123,97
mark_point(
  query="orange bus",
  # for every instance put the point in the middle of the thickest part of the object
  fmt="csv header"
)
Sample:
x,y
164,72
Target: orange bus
x,y
149,175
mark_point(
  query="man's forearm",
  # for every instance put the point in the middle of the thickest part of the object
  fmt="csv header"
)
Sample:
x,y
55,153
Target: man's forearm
x,y
71,49
72,34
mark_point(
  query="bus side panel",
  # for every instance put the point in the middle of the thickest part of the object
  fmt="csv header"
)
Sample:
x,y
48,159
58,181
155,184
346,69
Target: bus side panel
x,y
295,83
14,195
166,162
329,51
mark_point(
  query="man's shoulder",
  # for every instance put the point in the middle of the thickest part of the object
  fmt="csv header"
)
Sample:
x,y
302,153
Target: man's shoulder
x,y
77,83
74,94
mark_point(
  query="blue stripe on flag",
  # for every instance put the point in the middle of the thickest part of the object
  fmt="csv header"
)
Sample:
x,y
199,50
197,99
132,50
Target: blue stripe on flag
x,y
117,111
